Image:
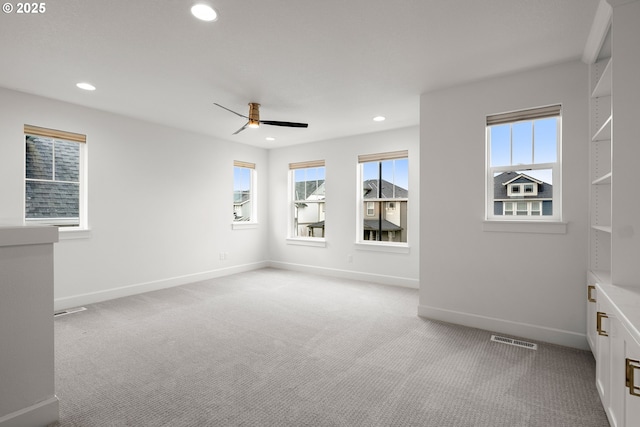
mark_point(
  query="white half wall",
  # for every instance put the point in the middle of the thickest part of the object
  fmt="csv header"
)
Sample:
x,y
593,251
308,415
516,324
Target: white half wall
x,y
527,284
341,256
160,202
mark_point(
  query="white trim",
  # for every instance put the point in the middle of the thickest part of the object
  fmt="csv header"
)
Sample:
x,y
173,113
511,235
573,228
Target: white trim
x,y
523,175
503,326
39,414
253,195
292,202
362,211
403,282
526,226
375,246
241,225
598,32
83,189
556,178
307,241
72,233
139,288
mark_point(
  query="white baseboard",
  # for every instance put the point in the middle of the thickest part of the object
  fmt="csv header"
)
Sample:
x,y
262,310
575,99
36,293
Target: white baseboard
x,y
348,274
508,327
139,288
40,414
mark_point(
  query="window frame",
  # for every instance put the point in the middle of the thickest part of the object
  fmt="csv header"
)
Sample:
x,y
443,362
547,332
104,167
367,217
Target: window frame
x,y
253,196
528,115
63,225
371,209
362,212
292,236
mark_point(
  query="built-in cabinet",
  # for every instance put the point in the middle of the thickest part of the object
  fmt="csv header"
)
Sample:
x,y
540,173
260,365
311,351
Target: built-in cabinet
x,y
27,375
613,289
614,313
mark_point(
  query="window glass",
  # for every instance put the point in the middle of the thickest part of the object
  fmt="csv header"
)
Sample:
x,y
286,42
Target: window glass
x,y
522,147
385,197
545,137
523,164
52,181
500,137
308,202
242,194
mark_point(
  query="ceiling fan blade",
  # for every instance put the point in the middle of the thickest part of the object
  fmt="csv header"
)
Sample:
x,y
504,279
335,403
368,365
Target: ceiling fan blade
x,y
231,111
287,124
241,129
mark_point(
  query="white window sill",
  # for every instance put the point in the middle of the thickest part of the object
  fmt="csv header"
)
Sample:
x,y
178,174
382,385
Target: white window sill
x,y
542,227
301,241
65,233
398,248
243,225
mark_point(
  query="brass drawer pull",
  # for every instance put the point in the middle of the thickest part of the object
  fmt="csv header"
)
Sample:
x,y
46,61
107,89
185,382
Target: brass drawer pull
x,y
631,365
589,297
600,315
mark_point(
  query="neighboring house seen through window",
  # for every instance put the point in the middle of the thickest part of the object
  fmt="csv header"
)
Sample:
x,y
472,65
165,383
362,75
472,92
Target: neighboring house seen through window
x,y
384,196
54,177
307,198
523,164
244,197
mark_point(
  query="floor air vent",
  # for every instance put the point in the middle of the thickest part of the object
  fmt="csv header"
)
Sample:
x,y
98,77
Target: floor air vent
x,y
511,341
68,311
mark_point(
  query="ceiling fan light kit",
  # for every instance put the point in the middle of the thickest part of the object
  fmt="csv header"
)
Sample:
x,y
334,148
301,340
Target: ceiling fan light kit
x,y
254,118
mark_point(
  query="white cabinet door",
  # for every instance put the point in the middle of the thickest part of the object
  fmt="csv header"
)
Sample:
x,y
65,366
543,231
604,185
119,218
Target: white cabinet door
x,y
592,334
615,404
632,381
603,319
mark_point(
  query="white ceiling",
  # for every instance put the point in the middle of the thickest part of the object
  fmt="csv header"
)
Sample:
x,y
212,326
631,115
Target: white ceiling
x,y
334,64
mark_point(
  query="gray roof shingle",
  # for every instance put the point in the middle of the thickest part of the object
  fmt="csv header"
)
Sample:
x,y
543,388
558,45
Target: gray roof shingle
x,y
57,195
389,190
545,190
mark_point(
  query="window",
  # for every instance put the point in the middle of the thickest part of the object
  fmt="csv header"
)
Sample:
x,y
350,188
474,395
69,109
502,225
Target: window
x,y
523,164
307,199
244,195
384,194
54,177
371,209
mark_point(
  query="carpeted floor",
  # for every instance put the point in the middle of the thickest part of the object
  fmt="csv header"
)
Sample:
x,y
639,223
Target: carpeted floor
x,y
279,348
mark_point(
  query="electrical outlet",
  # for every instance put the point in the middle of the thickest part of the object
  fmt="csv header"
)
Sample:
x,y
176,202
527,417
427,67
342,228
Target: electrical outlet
x,y
349,258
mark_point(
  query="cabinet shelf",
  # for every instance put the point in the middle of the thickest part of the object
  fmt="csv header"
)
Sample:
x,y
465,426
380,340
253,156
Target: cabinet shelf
x,y
604,133
603,228
603,87
603,180
602,276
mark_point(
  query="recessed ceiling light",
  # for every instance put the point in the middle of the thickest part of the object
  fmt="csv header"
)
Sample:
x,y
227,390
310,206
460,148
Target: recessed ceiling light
x,y
86,86
270,138
379,119
204,12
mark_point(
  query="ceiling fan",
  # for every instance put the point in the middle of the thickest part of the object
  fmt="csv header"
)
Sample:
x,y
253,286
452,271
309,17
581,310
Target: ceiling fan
x,y
254,119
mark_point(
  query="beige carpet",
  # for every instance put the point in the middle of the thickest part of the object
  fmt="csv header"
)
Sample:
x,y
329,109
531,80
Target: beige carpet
x,y
278,348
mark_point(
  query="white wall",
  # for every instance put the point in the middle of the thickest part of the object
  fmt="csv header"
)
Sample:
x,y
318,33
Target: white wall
x,y
525,284
341,159
160,201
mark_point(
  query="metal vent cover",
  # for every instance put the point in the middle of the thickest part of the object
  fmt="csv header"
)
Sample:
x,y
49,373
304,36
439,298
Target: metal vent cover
x,y
512,341
68,311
